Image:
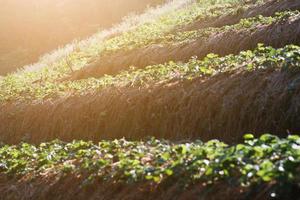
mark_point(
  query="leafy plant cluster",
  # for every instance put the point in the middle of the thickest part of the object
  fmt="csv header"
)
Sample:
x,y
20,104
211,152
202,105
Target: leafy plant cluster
x,y
150,33
257,160
187,36
286,59
158,30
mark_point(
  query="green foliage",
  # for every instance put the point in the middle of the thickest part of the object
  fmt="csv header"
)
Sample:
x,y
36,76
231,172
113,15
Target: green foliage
x,y
286,59
249,24
257,160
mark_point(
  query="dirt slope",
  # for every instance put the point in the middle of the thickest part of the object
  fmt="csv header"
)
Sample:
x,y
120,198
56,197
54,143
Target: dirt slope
x,y
222,107
68,188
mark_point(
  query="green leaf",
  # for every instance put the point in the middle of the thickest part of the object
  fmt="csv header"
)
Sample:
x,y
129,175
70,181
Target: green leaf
x,y
169,172
248,136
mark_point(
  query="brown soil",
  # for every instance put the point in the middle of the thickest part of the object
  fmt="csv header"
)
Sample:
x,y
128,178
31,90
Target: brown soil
x,y
68,188
229,42
222,107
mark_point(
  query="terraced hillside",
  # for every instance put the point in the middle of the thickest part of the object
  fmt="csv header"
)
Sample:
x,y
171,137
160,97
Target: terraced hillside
x,y
192,72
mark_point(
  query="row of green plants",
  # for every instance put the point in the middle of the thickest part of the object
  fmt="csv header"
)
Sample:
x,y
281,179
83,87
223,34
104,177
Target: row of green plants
x,y
250,24
285,59
257,160
145,34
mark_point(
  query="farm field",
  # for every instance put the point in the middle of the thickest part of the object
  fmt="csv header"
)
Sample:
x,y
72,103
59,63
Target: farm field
x,y
194,99
147,169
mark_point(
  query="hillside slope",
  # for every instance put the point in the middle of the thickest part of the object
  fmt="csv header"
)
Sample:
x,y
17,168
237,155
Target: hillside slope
x,y
211,99
140,112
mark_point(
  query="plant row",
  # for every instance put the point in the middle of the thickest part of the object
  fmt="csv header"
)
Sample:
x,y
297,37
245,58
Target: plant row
x,y
287,59
257,160
133,42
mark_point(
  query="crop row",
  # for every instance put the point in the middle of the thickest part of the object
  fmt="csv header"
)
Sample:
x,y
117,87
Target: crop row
x,y
286,59
185,36
257,160
249,23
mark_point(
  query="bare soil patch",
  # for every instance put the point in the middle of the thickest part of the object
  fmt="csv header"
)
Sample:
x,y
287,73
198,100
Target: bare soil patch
x,y
68,187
